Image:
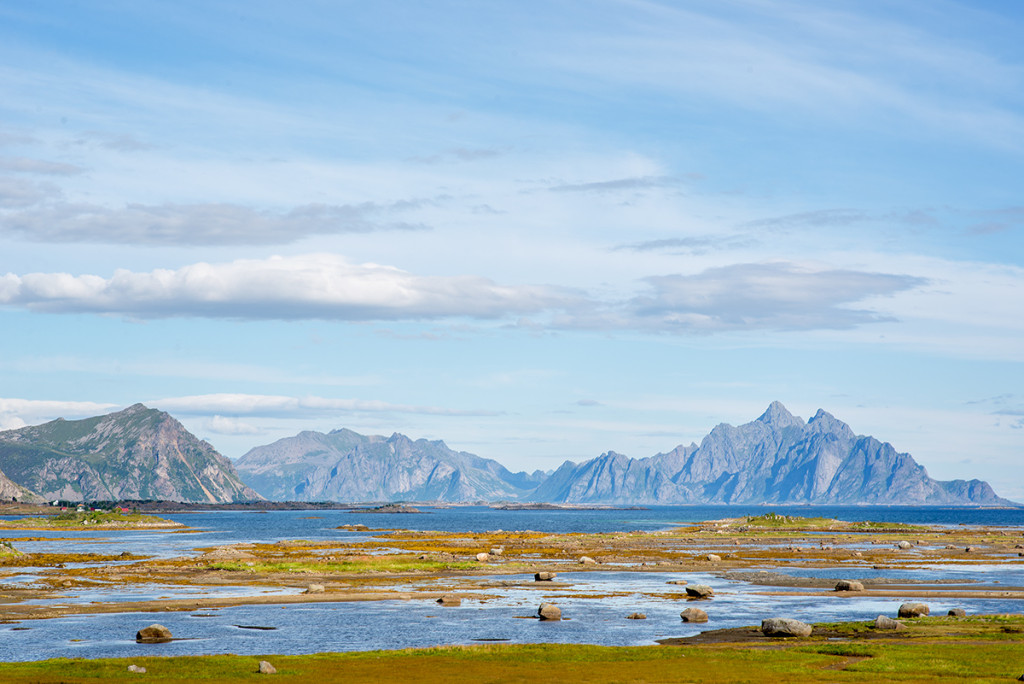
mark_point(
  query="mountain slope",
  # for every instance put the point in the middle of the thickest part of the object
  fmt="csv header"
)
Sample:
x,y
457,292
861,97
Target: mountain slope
x,y
137,453
346,466
12,491
777,458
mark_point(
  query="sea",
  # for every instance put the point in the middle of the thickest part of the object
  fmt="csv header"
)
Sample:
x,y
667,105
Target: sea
x,y
502,606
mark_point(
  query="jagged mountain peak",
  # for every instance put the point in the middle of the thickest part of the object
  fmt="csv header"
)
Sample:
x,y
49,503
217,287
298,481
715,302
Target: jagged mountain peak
x,y
825,422
778,416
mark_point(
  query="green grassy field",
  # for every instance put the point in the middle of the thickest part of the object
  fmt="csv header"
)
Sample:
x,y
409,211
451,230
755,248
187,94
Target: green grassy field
x,y
934,650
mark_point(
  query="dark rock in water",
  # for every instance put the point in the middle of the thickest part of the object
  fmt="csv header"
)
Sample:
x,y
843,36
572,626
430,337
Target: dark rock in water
x,y
849,585
913,610
450,600
267,668
883,622
260,627
549,611
957,612
699,591
636,616
694,615
544,576
785,627
154,634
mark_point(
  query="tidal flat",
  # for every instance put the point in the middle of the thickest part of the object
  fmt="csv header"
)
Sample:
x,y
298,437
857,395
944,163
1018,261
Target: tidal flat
x,y
350,587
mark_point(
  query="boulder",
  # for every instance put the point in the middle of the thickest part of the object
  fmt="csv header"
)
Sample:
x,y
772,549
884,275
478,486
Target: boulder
x,y
496,551
267,668
957,612
785,627
883,622
679,582
904,545
154,634
483,557
450,600
549,611
849,585
694,615
136,669
913,610
544,576
587,560
315,589
699,591
714,558
969,549
636,616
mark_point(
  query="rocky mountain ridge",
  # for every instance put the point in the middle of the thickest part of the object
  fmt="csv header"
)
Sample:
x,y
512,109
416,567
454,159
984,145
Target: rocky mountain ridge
x,y
776,459
137,453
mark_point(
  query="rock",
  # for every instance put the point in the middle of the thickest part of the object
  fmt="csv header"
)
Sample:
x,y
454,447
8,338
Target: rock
x,y
714,558
154,634
636,616
858,554
913,610
496,551
587,560
969,549
267,668
450,600
699,591
904,545
694,615
957,612
679,582
883,622
849,585
483,557
315,589
549,611
785,627
544,576
136,669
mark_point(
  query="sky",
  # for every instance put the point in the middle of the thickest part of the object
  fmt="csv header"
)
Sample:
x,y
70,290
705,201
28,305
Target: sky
x,y
538,231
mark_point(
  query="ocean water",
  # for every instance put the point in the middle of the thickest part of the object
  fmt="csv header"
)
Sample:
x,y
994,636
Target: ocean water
x,y
505,615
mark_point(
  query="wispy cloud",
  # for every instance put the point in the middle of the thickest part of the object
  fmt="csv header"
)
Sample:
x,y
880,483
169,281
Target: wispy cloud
x,y
41,166
768,296
191,224
288,406
617,185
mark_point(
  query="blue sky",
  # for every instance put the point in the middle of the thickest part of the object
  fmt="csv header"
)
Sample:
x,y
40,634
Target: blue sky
x,y
538,231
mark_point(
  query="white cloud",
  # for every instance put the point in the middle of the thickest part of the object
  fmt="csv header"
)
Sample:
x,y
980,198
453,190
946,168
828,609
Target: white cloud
x,y
16,413
230,426
320,286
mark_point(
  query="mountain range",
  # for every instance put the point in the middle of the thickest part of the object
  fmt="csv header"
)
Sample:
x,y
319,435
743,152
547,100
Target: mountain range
x,y
777,458
143,453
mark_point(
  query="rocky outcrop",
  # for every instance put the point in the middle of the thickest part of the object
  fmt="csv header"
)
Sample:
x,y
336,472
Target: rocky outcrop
x,y
549,611
154,634
913,610
138,453
693,615
345,466
12,491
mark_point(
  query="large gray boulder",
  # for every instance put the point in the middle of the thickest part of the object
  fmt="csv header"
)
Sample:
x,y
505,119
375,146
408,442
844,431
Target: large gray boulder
x,y
699,591
785,627
849,585
549,611
694,615
913,610
883,622
154,634
544,576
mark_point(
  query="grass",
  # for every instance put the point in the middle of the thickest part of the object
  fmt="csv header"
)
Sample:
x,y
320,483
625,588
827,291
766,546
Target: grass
x,y
352,564
796,662
76,520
